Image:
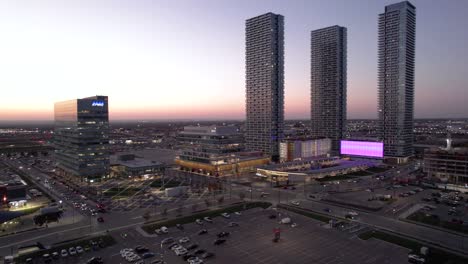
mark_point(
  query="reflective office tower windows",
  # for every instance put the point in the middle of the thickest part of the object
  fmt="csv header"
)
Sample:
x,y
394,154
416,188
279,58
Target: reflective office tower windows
x,y
396,49
82,138
264,83
328,84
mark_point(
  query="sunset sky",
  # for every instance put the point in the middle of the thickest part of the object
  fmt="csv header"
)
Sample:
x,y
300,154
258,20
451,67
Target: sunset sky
x,y
173,59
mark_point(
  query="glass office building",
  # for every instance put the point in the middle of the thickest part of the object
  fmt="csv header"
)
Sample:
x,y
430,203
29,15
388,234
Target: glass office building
x,y
82,137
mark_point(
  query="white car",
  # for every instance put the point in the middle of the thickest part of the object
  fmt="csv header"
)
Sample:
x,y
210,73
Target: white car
x,y
413,258
195,260
72,251
181,251
79,250
207,219
126,250
296,203
176,247
226,215
184,240
237,213
353,213
164,229
198,221
293,225
64,253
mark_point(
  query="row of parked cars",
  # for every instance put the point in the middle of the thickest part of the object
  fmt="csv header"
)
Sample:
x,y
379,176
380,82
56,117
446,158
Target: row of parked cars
x,y
180,248
72,251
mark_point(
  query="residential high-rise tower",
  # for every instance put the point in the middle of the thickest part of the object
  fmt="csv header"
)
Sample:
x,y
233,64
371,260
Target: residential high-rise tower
x,y
328,84
396,50
264,83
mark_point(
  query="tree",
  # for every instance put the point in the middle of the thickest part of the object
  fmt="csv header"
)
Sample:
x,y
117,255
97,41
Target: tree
x,y
147,215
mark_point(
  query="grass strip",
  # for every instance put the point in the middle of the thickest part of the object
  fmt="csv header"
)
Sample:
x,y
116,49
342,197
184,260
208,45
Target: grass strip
x,y
310,214
436,256
150,228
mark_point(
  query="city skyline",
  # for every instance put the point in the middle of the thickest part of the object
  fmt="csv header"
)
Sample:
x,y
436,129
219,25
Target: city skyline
x,y
58,51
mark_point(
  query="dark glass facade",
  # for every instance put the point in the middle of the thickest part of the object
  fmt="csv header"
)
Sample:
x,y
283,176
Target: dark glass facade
x,y
397,34
328,84
82,137
264,83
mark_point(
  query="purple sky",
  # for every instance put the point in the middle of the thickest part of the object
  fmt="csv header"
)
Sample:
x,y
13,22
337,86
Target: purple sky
x,y
185,59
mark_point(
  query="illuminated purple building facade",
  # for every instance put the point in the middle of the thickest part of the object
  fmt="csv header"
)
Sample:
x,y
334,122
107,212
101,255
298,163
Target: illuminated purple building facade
x,y
362,148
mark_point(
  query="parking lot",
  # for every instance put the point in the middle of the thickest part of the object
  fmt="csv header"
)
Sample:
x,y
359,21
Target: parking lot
x,y
444,209
251,242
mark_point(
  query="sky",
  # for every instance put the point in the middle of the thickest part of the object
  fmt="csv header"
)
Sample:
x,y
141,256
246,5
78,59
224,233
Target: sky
x,y
159,59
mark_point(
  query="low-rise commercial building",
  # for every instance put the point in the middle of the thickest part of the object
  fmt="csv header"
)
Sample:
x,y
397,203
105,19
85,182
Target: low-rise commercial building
x,y
447,165
303,148
13,190
216,151
311,169
129,166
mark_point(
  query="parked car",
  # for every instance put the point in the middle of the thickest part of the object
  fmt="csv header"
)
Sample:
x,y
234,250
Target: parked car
x,y
141,249
225,215
180,227
202,232
174,246
199,251
219,241
148,255
184,240
194,260
223,234
181,251
208,219
64,253
233,224
207,255
296,203
95,260
79,250
72,251
198,221
413,258
192,246
188,256
167,241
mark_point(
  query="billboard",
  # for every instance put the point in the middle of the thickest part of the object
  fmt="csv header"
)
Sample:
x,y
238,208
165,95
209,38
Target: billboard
x,y
362,148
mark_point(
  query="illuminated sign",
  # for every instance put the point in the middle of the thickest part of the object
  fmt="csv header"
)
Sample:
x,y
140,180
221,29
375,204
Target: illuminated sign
x,y
362,148
98,103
